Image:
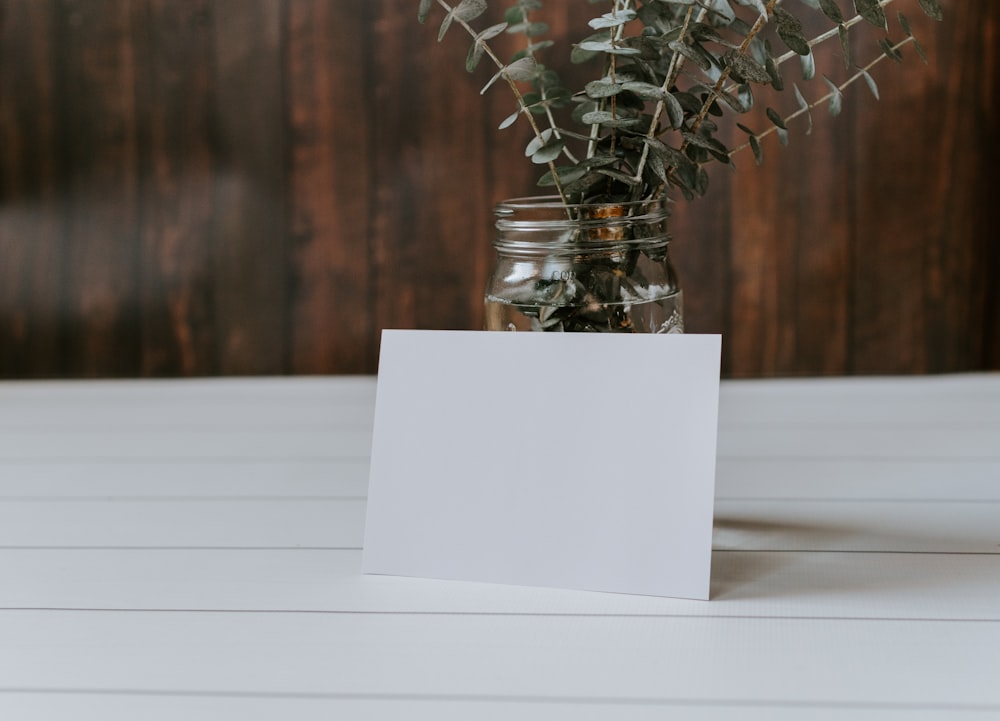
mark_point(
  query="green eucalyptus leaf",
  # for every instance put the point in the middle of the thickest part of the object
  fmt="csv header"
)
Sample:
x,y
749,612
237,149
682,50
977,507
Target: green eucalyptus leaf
x,y
469,9
745,69
539,141
804,107
870,81
424,9
712,145
698,140
774,73
491,32
606,46
565,174
596,117
445,24
613,19
622,123
836,97
691,54
675,112
808,63
905,24
599,161
720,8
790,31
582,184
598,89
832,11
618,175
491,81
890,50
540,45
701,182
800,98
479,46
647,91
509,120
871,10
744,94
775,118
524,69
548,152
474,56
514,15
845,44
654,163
609,120
758,154
579,55
533,30
931,8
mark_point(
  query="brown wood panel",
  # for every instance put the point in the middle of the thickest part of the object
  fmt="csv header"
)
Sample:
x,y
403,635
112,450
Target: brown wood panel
x,y
920,197
193,187
329,51
99,142
249,234
174,116
32,233
430,199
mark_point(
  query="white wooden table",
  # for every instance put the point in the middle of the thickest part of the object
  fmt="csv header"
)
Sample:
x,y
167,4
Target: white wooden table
x,y
191,550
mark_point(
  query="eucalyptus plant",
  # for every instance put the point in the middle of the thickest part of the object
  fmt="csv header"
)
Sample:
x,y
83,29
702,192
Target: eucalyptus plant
x,y
667,73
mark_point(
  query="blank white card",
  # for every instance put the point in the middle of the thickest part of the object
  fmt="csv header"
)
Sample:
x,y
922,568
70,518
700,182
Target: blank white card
x,y
583,461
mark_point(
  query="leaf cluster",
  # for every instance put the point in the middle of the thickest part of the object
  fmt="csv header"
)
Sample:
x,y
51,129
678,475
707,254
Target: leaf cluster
x,y
667,74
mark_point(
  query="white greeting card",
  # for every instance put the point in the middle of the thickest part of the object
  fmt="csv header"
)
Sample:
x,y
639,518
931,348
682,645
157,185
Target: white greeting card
x,y
568,460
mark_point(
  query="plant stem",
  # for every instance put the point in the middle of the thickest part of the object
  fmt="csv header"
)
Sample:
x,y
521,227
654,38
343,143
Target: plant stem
x,y
819,101
488,51
716,92
676,63
595,128
831,33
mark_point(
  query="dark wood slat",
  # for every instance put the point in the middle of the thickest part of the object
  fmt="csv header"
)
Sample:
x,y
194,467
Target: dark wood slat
x,y
97,56
250,238
702,256
919,294
431,201
32,233
330,102
175,93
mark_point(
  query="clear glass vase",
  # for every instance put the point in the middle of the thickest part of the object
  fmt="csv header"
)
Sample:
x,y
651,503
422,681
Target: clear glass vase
x,y
601,268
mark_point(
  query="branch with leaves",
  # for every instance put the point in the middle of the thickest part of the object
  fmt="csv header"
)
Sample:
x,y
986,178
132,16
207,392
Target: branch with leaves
x,y
667,72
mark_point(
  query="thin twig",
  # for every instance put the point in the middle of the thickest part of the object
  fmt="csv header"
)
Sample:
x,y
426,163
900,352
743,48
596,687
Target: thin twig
x,y
826,98
523,108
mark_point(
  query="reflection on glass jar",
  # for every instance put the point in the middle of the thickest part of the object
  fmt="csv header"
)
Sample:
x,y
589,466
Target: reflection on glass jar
x,y
583,268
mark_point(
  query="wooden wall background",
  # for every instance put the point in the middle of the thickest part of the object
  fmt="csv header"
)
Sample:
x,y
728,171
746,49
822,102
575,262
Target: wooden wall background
x,y
200,187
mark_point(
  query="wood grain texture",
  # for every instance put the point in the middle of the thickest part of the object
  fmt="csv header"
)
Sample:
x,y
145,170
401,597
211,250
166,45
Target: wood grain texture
x,y
97,93
330,185
201,187
33,326
178,169
250,228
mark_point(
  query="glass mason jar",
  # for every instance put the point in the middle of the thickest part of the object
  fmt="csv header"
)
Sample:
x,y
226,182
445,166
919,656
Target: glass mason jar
x,y
583,268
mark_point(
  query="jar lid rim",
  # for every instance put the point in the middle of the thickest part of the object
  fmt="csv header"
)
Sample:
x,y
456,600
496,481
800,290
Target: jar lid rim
x,y
549,202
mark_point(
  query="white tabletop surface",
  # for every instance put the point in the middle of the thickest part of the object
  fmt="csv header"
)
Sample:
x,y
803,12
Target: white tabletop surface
x,y
191,550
